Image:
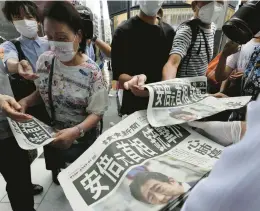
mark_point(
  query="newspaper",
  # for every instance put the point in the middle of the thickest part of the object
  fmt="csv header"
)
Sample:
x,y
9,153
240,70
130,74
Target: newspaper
x,y
31,134
185,99
133,166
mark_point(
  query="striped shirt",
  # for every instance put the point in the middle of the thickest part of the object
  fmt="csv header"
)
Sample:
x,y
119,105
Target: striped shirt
x,y
194,64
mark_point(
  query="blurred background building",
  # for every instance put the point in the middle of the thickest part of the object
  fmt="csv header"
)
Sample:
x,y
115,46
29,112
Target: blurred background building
x,y
109,14
175,12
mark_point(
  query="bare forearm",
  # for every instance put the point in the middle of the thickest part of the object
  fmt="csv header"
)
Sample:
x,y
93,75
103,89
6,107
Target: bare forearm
x,y
169,72
220,73
104,47
124,78
33,99
12,65
224,86
90,122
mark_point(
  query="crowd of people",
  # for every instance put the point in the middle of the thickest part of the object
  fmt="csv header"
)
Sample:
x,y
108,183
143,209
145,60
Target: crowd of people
x,y
58,79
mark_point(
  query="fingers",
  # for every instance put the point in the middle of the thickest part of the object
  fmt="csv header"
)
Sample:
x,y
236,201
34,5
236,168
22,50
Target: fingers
x,y
26,66
126,85
15,115
129,84
219,95
29,76
137,81
136,87
141,80
26,71
237,75
19,117
14,104
59,133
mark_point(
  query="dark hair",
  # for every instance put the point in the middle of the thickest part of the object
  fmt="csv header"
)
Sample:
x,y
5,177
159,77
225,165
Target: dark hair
x,y
140,179
65,12
86,16
13,8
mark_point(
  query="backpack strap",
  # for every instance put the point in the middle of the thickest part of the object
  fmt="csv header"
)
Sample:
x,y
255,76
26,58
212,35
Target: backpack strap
x,y
17,45
206,45
194,25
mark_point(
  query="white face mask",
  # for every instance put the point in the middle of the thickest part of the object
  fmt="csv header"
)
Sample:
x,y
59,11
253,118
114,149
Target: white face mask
x,y
210,12
150,8
64,51
27,28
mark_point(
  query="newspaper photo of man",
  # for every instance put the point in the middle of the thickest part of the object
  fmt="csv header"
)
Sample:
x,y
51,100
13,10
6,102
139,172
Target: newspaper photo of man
x,y
156,188
183,115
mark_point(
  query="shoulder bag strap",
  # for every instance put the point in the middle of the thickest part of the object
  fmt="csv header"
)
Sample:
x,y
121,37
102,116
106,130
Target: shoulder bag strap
x,y
17,45
50,93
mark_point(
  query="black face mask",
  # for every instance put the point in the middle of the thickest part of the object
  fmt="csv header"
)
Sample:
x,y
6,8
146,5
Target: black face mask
x,y
244,24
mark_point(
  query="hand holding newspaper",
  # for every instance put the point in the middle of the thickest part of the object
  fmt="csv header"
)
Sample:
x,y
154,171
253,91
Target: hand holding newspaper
x,y
134,166
185,100
147,160
31,134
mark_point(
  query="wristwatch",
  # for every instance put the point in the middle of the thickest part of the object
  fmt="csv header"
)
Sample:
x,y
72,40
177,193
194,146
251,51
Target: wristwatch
x,y
94,38
81,132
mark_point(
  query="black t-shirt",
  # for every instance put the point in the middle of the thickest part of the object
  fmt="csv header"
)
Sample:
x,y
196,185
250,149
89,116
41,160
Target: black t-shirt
x,y
140,48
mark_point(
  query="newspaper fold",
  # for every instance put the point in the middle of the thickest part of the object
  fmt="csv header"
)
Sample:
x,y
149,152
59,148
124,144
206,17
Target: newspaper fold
x,y
134,166
31,134
185,99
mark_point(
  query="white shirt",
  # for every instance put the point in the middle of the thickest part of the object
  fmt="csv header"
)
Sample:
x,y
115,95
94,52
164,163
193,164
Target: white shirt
x,y
241,59
233,184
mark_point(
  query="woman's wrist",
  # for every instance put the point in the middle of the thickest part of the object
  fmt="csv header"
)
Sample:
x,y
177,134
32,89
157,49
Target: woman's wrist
x,y
80,131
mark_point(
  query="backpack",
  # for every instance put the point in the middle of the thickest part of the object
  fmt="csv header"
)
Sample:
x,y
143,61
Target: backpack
x,y
22,88
194,25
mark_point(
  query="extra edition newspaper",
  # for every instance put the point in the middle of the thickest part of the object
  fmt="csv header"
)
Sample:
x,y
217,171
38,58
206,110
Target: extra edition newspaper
x,y
134,166
185,99
31,134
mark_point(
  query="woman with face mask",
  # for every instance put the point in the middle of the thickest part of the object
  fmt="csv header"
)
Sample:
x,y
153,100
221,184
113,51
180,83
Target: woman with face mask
x,y
71,86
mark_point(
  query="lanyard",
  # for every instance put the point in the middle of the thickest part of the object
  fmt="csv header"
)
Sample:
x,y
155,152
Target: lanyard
x,y
50,93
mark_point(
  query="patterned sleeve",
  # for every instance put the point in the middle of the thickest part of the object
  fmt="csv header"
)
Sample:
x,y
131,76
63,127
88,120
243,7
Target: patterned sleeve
x,y
182,41
98,102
